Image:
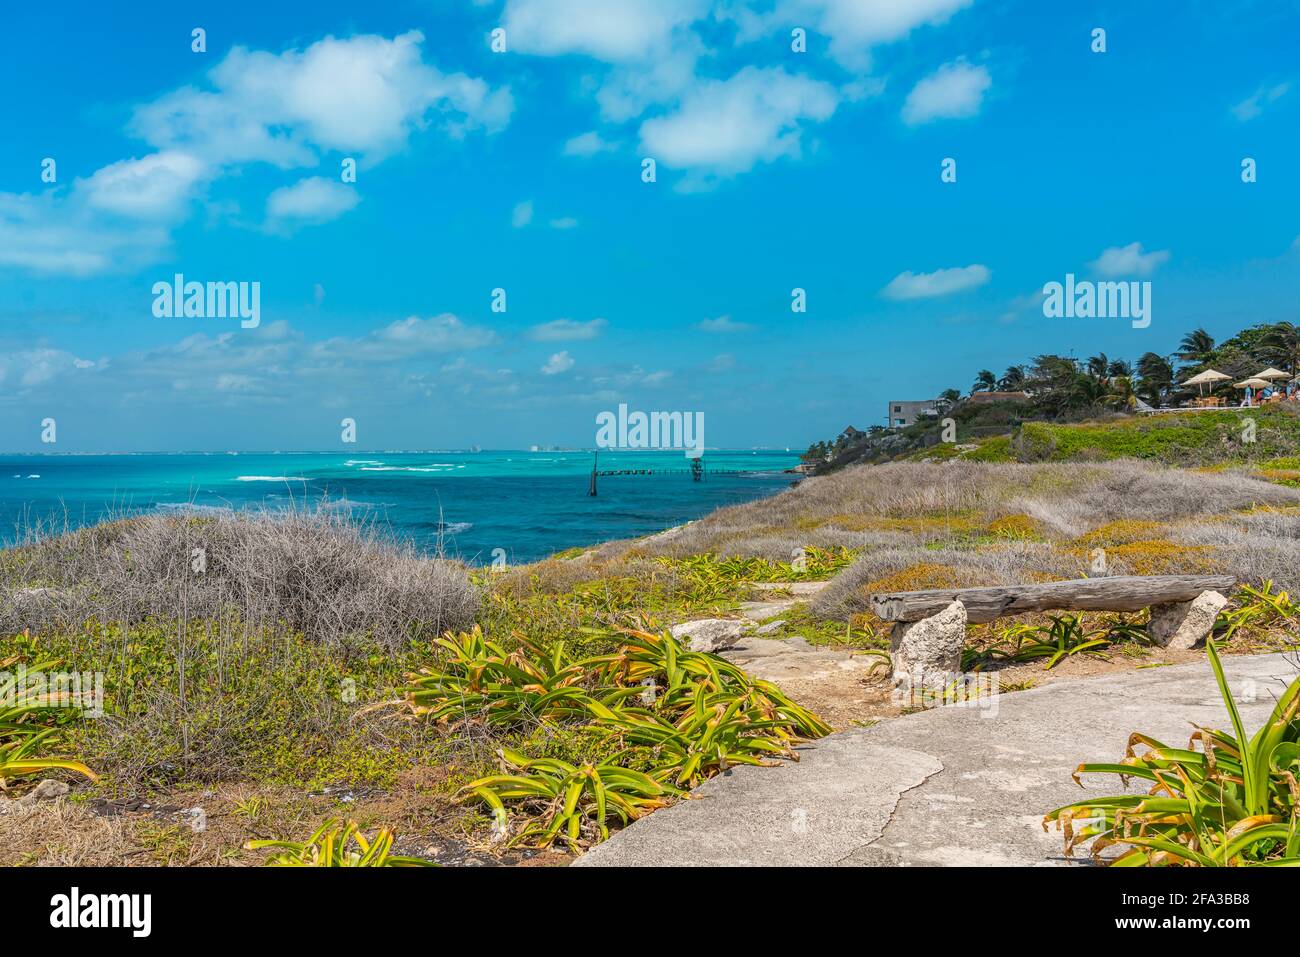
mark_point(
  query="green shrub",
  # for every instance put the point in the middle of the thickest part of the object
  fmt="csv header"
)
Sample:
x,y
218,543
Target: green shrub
x,y
1235,801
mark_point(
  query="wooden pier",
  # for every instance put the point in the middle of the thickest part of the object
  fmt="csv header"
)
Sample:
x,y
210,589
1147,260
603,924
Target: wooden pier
x,y
697,472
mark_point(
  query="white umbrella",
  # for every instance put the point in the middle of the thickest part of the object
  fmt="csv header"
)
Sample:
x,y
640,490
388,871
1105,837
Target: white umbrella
x,y
1210,376
1271,373
1252,383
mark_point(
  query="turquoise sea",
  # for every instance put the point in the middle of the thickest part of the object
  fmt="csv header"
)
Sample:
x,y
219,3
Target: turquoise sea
x,y
531,504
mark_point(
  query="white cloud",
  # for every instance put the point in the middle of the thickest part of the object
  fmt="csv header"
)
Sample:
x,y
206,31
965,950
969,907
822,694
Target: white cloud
x,y
157,186
954,91
941,282
311,200
363,94
566,330
1253,105
62,236
232,382
564,222
648,44
612,32
34,367
522,214
407,338
588,144
1129,260
853,26
560,362
722,324
724,127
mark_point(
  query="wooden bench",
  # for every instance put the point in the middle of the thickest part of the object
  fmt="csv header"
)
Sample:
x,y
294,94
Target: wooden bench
x,y
930,626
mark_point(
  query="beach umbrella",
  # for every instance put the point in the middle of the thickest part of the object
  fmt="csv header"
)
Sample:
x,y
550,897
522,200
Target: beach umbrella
x,y
1209,375
1271,373
1252,383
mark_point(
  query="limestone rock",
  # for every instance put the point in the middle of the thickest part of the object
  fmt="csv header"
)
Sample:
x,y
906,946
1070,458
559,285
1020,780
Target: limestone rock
x,y
709,634
47,790
1184,623
928,652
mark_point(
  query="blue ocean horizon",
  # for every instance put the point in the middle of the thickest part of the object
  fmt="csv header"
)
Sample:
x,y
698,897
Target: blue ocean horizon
x,y
530,504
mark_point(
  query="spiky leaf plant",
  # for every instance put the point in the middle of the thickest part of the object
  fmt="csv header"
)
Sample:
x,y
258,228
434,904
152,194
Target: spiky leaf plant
x,y
1226,799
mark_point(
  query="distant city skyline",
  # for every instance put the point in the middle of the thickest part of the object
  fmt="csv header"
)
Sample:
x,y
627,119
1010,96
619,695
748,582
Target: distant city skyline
x,y
454,243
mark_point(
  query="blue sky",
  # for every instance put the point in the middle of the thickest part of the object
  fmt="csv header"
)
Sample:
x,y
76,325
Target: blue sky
x,y
522,170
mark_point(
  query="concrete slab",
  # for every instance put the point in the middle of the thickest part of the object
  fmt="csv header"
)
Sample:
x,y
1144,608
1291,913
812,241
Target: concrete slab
x,y
786,822
950,786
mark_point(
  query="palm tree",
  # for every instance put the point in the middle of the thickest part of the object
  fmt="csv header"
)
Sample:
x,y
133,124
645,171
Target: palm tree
x,y
1197,346
986,381
1013,379
1120,368
1120,392
1283,344
1086,392
1156,375
1098,365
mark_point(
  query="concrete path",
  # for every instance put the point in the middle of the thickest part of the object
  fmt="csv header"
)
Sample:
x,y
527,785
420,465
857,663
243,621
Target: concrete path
x,y
951,786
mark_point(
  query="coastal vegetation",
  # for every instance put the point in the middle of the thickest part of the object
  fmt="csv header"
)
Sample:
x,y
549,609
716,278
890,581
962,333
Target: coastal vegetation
x,y
1047,395
287,671
1227,799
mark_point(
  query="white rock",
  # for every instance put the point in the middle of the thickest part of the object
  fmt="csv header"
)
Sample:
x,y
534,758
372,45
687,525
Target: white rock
x,y
46,790
928,652
1182,624
709,634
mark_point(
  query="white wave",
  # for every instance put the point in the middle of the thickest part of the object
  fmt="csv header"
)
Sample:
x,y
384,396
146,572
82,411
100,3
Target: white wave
x,y
435,467
270,478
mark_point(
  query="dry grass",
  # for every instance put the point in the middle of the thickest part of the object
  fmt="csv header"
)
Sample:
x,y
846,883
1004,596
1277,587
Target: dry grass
x,y
935,499
1002,524
313,572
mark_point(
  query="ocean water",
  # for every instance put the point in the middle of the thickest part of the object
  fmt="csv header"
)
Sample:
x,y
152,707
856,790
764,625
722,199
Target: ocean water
x,y
530,504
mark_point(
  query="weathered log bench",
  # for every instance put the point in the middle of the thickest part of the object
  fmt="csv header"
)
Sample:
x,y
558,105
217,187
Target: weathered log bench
x,y
930,626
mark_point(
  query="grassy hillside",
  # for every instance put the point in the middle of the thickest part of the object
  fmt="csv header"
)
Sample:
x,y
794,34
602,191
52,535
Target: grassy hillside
x,y
1205,439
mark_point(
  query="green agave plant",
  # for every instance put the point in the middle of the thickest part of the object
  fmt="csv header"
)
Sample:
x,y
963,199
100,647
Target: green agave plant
x,y
1235,801
695,716
1254,607
574,804
25,729
480,680
338,844
1063,638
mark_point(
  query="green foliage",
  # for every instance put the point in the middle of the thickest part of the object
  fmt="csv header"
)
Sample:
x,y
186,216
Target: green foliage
x,y
1235,801
214,702
336,844
28,718
1201,439
1063,638
711,577
1254,608
665,719
568,802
